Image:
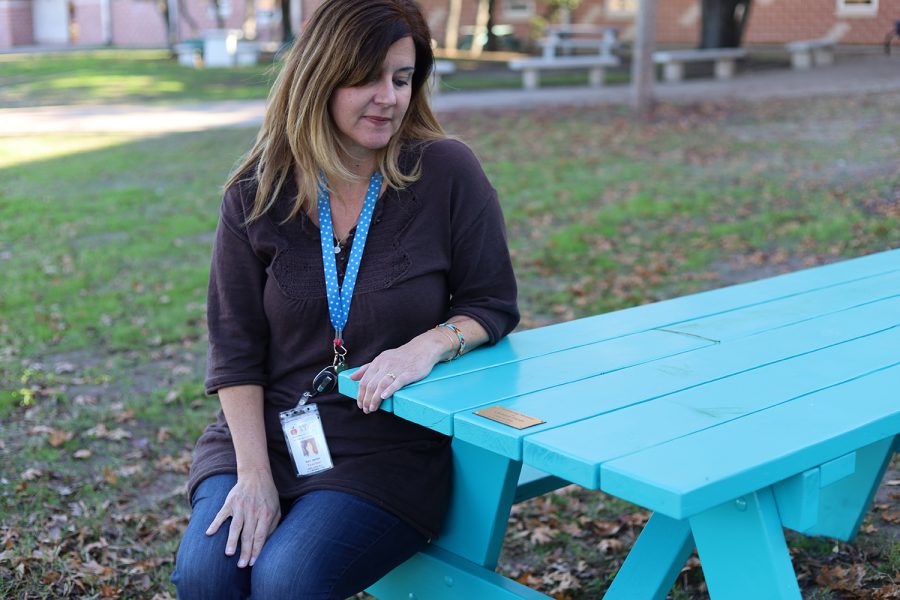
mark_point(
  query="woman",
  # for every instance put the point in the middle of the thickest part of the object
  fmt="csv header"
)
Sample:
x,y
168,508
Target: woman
x,y
300,502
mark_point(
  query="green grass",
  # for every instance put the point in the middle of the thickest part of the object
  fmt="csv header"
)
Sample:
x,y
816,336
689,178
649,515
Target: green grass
x,y
104,249
154,76
110,76
493,79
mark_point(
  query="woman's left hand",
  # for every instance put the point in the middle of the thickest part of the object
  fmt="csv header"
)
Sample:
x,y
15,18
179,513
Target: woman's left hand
x,y
393,369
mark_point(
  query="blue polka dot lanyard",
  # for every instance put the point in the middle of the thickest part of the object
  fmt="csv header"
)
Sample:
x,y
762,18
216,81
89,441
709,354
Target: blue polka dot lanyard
x,y
339,297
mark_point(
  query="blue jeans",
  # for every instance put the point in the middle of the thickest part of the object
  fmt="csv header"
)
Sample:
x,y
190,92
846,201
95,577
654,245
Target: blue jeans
x,y
328,545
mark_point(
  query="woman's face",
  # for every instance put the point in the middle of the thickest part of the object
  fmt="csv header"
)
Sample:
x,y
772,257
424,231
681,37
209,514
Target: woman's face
x,y
368,115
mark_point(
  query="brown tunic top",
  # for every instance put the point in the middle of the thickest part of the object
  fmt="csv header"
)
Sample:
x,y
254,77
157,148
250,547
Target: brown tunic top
x,y
434,250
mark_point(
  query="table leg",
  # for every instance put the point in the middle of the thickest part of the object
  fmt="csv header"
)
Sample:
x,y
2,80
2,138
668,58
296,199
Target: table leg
x,y
595,77
654,561
484,485
843,505
673,71
743,551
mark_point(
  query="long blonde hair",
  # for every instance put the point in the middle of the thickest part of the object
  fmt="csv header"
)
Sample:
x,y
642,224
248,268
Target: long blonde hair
x,y
344,44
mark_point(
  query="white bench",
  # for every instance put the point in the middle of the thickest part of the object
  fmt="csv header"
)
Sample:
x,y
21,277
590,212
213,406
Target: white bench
x,y
228,48
603,42
673,61
190,54
531,67
806,53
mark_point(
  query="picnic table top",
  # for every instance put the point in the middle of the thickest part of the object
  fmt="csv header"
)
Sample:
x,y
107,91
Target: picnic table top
x,y
750,381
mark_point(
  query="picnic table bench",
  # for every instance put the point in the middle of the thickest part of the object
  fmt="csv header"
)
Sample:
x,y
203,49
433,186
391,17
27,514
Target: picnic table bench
x,y
673,61
806,53
531,67
602,40
730,414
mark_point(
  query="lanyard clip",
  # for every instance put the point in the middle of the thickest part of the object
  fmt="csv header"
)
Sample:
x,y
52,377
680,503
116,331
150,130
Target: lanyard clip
x,y
340,352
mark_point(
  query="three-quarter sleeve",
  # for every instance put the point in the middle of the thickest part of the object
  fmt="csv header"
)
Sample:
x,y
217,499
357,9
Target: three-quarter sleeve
x,y
238,328
481,279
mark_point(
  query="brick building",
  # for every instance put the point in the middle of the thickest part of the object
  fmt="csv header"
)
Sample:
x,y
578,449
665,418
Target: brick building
x,y
126,23
140,23
678,21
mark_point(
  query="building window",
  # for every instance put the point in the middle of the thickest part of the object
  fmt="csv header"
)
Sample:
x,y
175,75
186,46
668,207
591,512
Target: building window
x,y
621,8
851,8
518,9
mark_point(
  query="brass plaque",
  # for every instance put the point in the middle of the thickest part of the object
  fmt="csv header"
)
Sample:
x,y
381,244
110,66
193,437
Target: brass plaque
x,y
508,417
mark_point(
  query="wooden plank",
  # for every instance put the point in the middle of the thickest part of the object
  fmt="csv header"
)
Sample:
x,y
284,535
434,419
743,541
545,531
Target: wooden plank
x,y
586,399
560,336
688,475
434,404
787,311
843,504
436,574
797,499
837,469
676,310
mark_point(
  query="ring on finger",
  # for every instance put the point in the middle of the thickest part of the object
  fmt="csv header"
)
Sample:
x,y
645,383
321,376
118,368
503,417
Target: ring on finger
x,y
391,375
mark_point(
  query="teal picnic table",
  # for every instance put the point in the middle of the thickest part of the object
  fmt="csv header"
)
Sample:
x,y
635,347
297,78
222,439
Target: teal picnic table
x,y
731,414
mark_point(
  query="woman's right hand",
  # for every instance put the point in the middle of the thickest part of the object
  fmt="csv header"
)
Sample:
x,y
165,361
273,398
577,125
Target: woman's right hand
x,y
255,511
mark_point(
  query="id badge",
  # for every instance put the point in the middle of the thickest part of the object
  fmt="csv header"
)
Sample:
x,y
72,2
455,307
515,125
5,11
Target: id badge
x,y
305,438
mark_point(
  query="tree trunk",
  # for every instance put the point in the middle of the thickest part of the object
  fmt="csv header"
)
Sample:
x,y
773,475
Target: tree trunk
x,y
451,35
723,23
643,71
491,38
163,7
220,20
481,22
249,26
287,30
184,13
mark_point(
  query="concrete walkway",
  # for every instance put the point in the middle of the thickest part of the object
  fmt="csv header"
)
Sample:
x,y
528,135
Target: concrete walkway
x,y
850,75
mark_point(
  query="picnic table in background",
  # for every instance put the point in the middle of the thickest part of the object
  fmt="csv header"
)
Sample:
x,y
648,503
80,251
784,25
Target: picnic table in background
x,y
731,414
563,39
558,47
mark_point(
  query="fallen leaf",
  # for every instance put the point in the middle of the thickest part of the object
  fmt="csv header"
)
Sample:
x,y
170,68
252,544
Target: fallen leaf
x,y
129,470
51,577
109,476
58,437
541,535
31,474
572,529
128,415
528,579
100,431
891,516
843,579
95,568
82,453
64,368
607,528
610,546
892,482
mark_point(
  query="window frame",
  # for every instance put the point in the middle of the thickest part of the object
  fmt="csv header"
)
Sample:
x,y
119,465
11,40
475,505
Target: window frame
x,y
524,13
619,13
856,9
